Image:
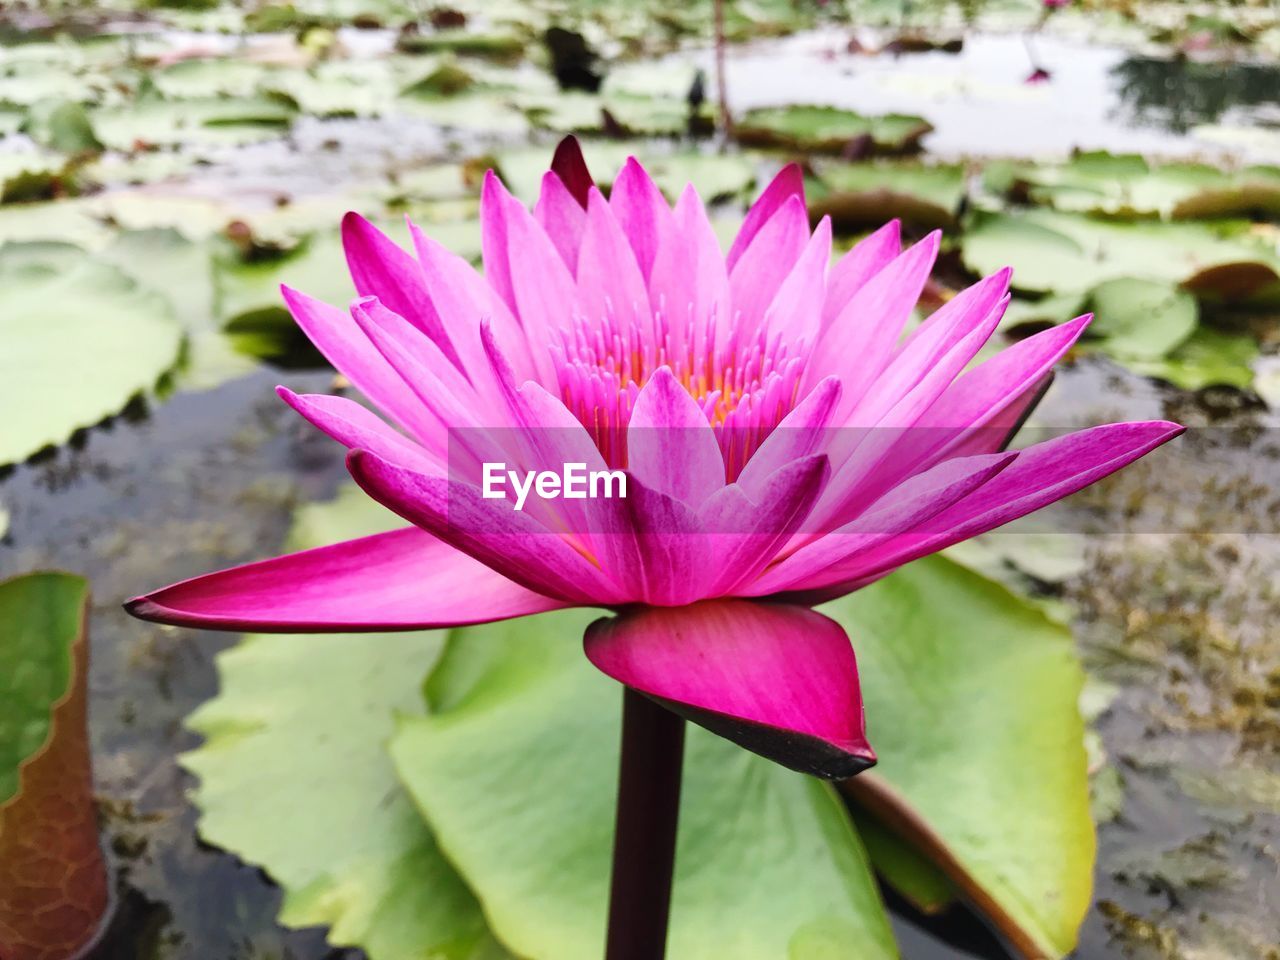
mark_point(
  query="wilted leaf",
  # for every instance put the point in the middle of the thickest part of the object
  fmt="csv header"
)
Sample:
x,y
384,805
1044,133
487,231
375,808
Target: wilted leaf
x,y
80,340
308,753
517,770
53,880
954,666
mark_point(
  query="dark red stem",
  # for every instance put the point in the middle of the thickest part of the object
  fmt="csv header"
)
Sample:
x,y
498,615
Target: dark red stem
x,y
644,843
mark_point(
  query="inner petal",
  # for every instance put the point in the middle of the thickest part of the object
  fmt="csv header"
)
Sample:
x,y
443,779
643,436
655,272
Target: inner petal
x,y
745,382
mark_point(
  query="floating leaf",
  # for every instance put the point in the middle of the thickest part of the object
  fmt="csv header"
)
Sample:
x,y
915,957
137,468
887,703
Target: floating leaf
x,y
53,880
828,129
865,195
971,696
516,770
154,122
27,177
1142,319
80,340
61,125
1207,358
309,753
1059,252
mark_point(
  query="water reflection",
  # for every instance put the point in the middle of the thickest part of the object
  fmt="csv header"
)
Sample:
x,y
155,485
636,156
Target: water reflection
x,y
1178,94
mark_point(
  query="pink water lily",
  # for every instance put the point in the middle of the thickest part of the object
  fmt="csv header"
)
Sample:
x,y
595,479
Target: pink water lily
x,y
783,442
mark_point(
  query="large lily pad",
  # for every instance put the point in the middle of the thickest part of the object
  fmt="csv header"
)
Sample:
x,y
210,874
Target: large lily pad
x,y
971,696
309,754
828,129
1126,185
1056,252
861,196
517,769
204,122
53,880
81,339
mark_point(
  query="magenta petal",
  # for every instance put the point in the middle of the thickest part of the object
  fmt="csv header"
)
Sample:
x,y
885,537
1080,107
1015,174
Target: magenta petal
x,y
379,268
610,281
671,447
868,257
641,211
787,184
755,279
777,679
510,542
355,427
563,217
401,580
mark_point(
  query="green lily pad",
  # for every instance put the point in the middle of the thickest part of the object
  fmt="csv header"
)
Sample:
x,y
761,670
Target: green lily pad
x,y
573,111
209,121
61,125
1142,319
860,196
27,177
1059,252
1208,358
80,340
972,705
828,129
202,77
50,862
502,47
767,866
309,754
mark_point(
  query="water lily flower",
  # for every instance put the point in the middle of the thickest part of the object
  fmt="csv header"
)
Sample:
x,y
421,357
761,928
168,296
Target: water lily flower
x,y
784,443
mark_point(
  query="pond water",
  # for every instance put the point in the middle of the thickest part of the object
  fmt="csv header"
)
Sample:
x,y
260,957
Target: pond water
x,y
208,479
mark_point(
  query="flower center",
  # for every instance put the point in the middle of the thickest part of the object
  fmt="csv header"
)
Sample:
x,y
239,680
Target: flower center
x,y
744,382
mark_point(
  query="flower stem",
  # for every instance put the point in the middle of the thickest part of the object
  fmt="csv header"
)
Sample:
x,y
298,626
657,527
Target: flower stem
x,y
644,843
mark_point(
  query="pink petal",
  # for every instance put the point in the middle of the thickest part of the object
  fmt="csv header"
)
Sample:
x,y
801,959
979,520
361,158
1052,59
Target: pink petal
x,y
355,427
610,283
689,279
510,542
743,534
339,338
1041,475
641,211
868,257
402,580
795,313
902,511
755,278
860,341
563,217
787,184
381,269
463,298
801,432
780,680
671,447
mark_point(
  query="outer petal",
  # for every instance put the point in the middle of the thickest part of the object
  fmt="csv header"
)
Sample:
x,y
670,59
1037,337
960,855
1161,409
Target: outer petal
x,y
857,345
562,217
1041,475
755,278
339,338
868,257
779,680
401,580
355,427
787,184
379,268
511,542
641,211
